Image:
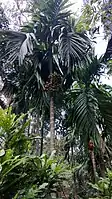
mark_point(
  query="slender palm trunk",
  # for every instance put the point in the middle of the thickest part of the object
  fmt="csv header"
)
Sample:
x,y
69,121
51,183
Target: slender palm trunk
x,y
52,125
41,144
42,135
72,155
36,131
74,187
102,151
52,128
93,163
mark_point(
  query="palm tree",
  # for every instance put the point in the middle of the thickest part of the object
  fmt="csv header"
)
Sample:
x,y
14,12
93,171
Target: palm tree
x,y
61,47
90,112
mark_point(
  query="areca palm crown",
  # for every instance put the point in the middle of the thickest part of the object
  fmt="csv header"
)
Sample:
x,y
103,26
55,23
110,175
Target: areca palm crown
x,y
53,46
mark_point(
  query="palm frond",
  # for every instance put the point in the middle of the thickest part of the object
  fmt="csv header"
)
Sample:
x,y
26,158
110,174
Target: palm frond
x,y
90,70
51,16
85,111
85,115
72,48
54,8
17,45
105,106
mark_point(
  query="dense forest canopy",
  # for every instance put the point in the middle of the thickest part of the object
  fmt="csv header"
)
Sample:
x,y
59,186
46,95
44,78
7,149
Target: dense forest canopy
x,y
56,113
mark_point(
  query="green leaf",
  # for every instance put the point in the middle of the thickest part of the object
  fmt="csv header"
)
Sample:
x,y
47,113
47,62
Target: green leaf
x,y
2,152
0,167
43,186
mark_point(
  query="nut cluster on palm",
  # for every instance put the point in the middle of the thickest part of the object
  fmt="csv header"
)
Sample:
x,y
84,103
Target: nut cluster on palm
x,y
53,83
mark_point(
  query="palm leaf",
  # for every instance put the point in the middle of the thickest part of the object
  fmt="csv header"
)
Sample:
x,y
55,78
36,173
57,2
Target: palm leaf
x,y
85,113
17,45
91,70
72,48
105,106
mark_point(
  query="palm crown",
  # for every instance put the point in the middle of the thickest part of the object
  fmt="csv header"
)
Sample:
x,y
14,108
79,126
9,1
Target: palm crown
x,y
52,46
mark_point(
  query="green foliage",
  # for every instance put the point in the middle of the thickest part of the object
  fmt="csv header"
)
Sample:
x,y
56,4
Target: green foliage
x,y
86,19
92,13
104,186
23,175
12,131
33,177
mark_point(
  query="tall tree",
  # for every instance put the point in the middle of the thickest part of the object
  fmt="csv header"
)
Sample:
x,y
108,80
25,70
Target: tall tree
x,y
60,45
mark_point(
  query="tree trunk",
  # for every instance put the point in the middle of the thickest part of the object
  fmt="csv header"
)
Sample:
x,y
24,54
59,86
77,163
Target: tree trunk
x,y
52,126
72,155
35,132
42,134
75,187
93,163
102,151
